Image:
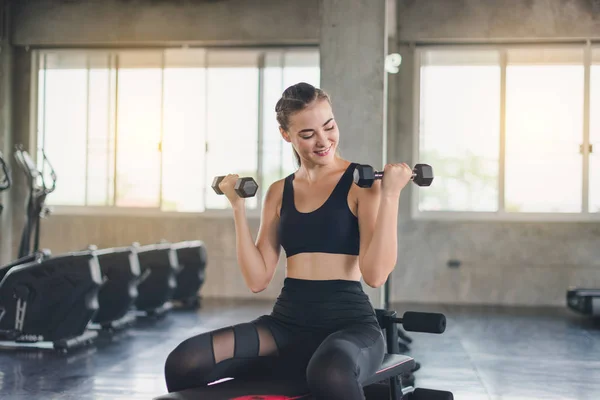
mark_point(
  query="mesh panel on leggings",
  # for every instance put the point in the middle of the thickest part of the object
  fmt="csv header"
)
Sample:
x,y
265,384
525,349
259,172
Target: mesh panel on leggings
x,y
243,341
222,353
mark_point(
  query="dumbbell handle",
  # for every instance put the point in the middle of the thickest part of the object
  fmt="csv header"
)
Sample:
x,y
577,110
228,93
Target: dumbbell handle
x,y
379,174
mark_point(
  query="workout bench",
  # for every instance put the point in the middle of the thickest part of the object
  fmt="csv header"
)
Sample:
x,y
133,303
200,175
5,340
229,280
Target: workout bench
x,y
385,384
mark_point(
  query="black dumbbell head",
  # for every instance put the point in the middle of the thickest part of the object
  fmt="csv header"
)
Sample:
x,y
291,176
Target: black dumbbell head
x,y
424,175
364,175
215,184
246,187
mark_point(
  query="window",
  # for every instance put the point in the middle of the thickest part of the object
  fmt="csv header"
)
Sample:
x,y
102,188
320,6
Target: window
x,y
504,130
232,118
184,131
460,114
65,143
138,129
544,129
152,128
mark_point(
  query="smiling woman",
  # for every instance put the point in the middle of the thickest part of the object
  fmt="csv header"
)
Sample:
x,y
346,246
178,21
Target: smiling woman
x,y
304,96
348,234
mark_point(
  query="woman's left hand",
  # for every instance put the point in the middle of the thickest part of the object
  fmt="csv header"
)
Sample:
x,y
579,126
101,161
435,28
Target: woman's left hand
x,y
395,178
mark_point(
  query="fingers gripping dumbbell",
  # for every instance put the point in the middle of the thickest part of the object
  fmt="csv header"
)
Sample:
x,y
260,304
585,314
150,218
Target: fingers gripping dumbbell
x,y
244,187
365,175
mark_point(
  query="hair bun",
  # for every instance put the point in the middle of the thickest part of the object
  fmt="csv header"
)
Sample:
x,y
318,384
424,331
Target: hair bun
x,y
301,91
295,98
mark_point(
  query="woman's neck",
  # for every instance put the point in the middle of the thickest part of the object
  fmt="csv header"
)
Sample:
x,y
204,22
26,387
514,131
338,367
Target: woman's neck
x,y
314,172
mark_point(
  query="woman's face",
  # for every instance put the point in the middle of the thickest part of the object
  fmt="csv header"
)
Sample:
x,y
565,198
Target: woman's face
x,y
314,133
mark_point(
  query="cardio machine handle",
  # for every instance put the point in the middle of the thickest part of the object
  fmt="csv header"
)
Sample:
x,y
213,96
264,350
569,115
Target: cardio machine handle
x,y
33,173
5,183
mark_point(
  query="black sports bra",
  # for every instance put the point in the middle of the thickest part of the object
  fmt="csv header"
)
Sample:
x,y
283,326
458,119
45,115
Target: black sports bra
x,y
332,228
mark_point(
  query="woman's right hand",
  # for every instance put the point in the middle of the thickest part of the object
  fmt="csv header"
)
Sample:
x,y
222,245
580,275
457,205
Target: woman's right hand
x,y
227,186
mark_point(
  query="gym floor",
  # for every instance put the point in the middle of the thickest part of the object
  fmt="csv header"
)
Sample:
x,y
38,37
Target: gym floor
x,y
485,353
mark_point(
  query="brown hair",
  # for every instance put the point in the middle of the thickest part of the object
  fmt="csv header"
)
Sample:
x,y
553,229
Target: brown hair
x,y
296,98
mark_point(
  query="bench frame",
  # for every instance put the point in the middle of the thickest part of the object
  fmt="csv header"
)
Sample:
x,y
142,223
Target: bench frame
x,y
390,328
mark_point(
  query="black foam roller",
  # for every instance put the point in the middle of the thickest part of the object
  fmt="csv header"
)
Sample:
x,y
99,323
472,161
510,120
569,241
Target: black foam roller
x,y
428,394
424,322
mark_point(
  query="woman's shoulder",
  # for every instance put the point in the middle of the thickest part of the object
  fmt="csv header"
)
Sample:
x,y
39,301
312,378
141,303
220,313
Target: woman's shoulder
x,y
348,163
278,184
275,189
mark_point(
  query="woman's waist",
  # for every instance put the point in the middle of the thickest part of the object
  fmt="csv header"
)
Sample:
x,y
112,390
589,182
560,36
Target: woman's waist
x,y
323,300
323,267
332,289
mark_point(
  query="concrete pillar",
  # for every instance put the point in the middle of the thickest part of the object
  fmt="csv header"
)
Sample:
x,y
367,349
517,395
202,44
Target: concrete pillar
x,y
23,109
353,47
6,143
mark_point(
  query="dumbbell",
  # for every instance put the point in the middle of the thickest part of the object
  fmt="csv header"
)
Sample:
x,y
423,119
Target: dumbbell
x,y
244,187
364,175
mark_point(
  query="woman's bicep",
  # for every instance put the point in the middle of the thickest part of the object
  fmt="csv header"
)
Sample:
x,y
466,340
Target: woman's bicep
x,y
267,241
368,205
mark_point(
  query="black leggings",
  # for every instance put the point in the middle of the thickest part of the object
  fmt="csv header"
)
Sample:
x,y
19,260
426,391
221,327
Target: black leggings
x,y
323,331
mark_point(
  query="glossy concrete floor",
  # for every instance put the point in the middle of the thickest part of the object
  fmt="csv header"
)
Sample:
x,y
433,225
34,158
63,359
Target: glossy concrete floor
x,y
486,353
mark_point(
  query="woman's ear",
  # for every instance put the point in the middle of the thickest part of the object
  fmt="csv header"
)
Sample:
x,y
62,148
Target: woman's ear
x,y
285,135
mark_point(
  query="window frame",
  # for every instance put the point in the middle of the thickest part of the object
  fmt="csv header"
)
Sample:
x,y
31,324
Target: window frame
x,y
502,215
114,210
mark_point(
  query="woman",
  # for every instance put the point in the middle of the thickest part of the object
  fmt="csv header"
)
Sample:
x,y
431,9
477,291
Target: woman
x,y
322,326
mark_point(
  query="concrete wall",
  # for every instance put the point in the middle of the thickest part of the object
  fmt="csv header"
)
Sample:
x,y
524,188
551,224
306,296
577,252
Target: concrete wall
x,y
502,263
528,263
147,22
481,20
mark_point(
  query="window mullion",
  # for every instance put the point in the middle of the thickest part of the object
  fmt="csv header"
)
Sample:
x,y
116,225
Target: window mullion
x,y
585,148
116,130
162,130
260,127
502,147
207,179
108,126
87,130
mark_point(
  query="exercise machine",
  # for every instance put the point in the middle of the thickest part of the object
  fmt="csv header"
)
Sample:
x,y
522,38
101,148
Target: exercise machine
x,y
5,181
192,258
38,191
48,303
584,301
159,266
5,184
386,383
121,275
403,339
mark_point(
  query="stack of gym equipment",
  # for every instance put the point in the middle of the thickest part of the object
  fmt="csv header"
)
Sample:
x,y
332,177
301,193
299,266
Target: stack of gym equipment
x,y
584,301
63,301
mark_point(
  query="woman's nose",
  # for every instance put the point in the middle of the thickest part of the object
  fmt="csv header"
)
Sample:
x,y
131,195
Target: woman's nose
x,y
322,138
